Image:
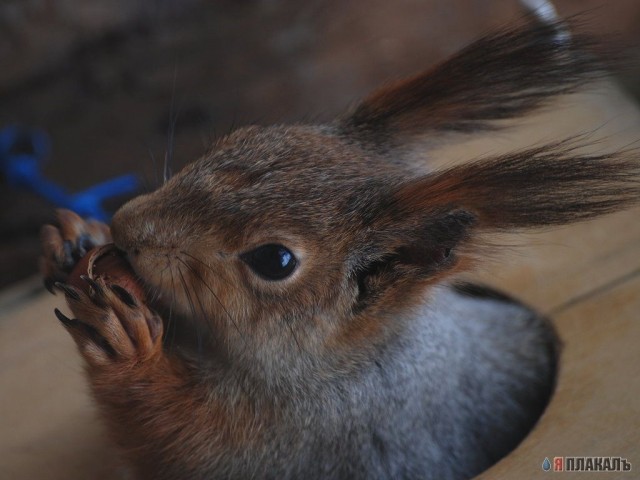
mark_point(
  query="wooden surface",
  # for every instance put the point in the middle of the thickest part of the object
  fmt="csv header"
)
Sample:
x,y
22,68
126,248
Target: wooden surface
x,y
586,276
48,426
593,293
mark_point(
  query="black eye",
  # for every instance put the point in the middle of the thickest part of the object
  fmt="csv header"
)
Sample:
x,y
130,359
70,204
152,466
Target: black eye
x,y
271,261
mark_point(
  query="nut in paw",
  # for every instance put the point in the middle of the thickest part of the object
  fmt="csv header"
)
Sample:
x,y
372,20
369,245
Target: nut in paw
x,y
112,321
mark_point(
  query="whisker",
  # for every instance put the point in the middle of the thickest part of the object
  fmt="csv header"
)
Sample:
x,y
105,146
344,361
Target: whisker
x,y
172,303
192,307
168,158
197,274
202,309
197,260
156,291
155,166
199,277
293,334
166,267
187,294
197,297
173,117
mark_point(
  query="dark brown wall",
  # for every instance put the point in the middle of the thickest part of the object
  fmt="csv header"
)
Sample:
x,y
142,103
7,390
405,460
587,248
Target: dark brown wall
x,y
99,75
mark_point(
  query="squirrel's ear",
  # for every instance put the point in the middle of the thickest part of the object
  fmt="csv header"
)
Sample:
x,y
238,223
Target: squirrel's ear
x,y
500,76
410,250
425,227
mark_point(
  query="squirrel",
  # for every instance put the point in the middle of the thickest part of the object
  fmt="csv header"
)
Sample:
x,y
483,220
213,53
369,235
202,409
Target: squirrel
x,y
302,317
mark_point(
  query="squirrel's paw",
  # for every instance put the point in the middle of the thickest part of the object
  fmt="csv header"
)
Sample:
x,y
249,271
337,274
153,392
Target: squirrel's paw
x,y
111,325
66,244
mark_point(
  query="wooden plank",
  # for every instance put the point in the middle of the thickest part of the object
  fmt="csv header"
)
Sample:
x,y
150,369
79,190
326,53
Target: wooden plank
x,y
50,428
48,423
549,269
596,408
585,273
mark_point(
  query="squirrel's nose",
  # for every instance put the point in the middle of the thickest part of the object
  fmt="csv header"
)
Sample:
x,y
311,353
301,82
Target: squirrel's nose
x,y
131,229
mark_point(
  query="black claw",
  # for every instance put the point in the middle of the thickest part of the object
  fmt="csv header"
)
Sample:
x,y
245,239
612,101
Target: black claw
x,y
123,295
68,322
48,284
86,330
68,263
84,243
68,290
155,326
93,284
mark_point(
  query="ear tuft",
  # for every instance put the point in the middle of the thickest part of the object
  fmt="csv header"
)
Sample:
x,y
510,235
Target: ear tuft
x,y
420,245
431,248
500,76
431,226
548,185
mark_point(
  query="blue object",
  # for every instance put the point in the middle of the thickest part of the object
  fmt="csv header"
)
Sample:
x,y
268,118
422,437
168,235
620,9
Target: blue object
x,y
22,151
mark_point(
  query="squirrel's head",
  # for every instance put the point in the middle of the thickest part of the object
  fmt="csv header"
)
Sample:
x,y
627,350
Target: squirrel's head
x,y
297,243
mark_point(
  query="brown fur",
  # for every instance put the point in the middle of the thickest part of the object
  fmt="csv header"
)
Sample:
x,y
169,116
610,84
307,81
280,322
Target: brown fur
x,y
333,371
170,423
501,76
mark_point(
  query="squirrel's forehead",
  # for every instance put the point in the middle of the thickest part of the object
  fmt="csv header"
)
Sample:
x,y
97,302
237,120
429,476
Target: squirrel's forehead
x,y
284,169
273,176
290,152
235,194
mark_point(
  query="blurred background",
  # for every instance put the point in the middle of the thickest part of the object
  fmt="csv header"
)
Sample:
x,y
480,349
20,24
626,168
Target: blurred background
x,y
107,80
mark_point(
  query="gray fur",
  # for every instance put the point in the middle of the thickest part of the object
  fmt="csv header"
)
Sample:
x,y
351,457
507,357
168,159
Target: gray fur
x,y
458,390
